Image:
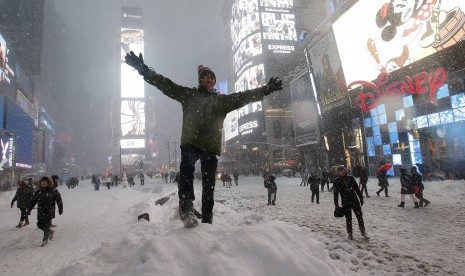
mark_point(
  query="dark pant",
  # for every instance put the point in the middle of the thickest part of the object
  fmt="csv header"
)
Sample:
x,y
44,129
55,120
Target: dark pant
x,y
317,194
385,188
422,200
44,225
23,214
208,163
364,188
271,196
358,213
142,182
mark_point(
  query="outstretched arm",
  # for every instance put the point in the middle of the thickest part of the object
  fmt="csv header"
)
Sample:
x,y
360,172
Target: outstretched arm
x,y
165,85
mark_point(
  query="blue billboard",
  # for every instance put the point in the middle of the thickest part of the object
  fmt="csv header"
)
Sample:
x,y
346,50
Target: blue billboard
x,y
18,127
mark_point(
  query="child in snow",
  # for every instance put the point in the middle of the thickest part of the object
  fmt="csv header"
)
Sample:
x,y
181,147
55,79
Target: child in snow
x,y
45,198
23,196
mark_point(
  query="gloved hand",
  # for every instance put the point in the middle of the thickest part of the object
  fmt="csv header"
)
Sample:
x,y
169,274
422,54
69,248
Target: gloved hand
x,y
137,62
60,212
273,85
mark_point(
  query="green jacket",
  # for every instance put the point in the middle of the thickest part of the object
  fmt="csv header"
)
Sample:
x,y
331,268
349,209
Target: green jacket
x,y
203,111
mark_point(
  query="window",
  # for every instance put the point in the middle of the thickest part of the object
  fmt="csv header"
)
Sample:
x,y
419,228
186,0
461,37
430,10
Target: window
x,y
400,114
433,119
422,121
386,149
408,101
382,119
443,92
458,100
459,114
446,117
367,122
394,138
392,127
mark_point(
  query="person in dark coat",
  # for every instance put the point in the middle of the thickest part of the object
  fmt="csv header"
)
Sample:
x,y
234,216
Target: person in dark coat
x,y
406,188
46,198
381,174
418,187
351,199
270,185
324,179
314,182
142,179
236,177
22,197
55,183
204,111
364,180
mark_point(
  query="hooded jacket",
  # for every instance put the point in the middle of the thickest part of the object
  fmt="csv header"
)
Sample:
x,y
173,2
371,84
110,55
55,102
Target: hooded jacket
x,y
347,187
45,198
23,196
203,111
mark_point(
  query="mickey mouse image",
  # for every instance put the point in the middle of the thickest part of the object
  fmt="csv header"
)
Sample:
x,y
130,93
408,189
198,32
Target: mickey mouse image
x,y
425,13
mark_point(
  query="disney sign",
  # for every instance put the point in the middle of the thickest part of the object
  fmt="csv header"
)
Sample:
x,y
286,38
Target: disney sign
x,y
371,93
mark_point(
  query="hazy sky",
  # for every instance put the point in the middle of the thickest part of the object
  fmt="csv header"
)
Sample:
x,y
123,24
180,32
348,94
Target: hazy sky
x,y
179,35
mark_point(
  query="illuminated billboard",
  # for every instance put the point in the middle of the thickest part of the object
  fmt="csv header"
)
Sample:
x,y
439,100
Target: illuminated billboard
x,y
132,118
278,26
305,110
250,47
251,78
376,37
7,69
230,125
329,77
132,143
244,20
287,4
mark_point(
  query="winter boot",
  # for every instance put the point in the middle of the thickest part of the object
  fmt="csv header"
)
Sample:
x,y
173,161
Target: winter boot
x,y
20,224
186,213
350,236
427,203
416,205
364,234
44,243
377,193
50,235
207,219
402,204
26,222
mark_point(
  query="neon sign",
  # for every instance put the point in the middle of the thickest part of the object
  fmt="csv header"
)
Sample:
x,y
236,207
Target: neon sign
x,y
371,93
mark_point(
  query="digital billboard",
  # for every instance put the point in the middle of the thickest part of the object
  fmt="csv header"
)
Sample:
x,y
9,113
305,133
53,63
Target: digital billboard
x,y
230,126
376,37
251,78
305,110
7,69
278,26
132,118
244,20
287,4
329,77
250,47
21,126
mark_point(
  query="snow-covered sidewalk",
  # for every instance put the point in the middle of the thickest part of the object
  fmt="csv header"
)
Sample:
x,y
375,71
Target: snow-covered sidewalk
x,y
99,234
404,241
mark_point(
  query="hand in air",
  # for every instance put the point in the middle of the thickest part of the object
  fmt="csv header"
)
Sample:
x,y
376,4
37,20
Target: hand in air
x,y
137,62
273,85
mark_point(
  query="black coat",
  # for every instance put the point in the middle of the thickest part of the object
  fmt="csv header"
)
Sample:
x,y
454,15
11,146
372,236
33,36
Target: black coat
x,y
347,187
45,198
270,183
314,181
364,175
417,180
382,178
406,183
23,197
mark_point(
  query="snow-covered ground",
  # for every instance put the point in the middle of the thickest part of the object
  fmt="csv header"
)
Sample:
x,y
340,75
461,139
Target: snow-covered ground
x,y
98,234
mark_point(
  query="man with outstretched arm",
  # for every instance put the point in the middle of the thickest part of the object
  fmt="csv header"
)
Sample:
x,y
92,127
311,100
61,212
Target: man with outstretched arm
x,y
203,113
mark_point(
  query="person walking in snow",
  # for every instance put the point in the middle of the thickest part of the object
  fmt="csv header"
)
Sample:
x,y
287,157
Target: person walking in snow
x,y
46,198
364,180
204,111
351,200
270,185
142,179
406,188
22,196
324,179
381,174
418,187
55,183
314,182
236,177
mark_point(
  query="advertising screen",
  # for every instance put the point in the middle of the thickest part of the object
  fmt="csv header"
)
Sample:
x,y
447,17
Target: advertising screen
x,y
132,118
287,4
329,77
132,39
132,143
278,26
305,110
250,47
230,126
7,69
21,126
244,20
251,78
383,36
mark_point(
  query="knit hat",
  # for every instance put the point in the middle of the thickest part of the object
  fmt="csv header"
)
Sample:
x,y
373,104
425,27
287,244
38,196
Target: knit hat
x,y
204,71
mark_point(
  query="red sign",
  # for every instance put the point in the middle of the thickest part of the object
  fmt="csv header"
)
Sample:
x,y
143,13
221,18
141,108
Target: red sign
x,y
371,93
